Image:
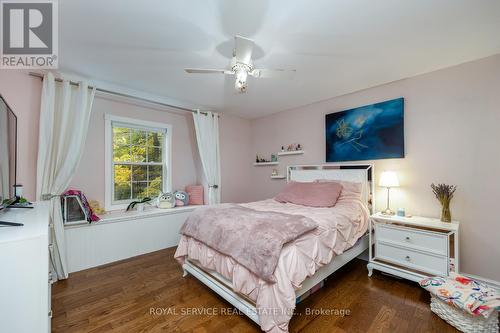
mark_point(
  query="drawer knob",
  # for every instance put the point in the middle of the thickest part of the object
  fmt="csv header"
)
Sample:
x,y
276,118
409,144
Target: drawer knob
x,y
407,238
407,258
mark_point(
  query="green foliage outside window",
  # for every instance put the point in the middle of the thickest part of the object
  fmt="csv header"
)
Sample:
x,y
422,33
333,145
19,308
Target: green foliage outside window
x,y
138,167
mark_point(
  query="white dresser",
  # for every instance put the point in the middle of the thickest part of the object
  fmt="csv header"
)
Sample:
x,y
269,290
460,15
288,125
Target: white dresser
x,y
24,265
413,247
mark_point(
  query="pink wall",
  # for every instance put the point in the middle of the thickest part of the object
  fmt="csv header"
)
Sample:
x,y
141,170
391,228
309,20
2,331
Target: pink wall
x,y
22,93
236,158
186,166
452,128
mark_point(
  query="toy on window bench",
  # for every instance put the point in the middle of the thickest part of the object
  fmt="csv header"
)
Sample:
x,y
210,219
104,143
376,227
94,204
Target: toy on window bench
x,y
166,200
96,207
181,198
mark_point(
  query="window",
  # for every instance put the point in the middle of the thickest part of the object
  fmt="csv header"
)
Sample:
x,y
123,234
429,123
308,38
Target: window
x,y
137,160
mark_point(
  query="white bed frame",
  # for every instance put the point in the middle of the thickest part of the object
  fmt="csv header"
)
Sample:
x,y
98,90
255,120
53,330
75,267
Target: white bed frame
x,y
361,173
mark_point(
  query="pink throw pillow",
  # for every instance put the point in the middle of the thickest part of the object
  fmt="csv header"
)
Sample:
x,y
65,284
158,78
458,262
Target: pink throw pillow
x,y
312,194
350,190
195,194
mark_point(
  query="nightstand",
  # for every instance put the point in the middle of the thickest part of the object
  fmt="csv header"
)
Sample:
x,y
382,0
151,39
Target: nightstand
x,y
413,247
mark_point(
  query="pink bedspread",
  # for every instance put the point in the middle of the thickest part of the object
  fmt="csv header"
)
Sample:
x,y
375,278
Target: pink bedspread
x,y
338,229
254,238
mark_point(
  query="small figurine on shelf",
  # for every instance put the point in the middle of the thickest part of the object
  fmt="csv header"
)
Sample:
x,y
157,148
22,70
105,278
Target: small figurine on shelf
x,y
289,148
274,158
257,159
299,147
282,148
275,172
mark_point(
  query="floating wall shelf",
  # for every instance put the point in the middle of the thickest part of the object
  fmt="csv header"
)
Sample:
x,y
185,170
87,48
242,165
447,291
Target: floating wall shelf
x,y
265,163
293,152
278,177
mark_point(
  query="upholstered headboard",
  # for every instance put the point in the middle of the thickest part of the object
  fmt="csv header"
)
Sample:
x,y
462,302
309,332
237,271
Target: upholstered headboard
x,y
358,173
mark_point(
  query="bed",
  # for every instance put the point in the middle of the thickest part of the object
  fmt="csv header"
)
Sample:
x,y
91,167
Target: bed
x,y
303,263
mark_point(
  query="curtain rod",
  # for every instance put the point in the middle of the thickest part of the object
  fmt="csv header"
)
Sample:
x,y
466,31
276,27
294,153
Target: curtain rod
x,y
125,95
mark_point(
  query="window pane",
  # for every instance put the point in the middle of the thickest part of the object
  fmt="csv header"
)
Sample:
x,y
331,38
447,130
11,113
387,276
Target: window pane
x,y
155,139
121,144
122,175
154,188
139,173
121,153
155,172
154,154
139,145
139,153
155,180
139,190
121,136
139,137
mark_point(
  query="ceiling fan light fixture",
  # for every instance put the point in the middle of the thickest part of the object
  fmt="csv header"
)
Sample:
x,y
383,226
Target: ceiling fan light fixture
x,y
240,86
241,75
242,65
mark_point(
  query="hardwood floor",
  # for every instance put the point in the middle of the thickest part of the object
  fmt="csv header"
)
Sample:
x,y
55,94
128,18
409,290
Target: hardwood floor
x,y
119,297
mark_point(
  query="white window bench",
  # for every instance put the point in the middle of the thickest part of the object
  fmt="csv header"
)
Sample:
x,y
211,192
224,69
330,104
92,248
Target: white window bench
x,y
121,215
121,235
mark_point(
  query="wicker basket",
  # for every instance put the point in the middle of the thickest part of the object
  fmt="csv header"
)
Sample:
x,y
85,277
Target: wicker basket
x,y
463,321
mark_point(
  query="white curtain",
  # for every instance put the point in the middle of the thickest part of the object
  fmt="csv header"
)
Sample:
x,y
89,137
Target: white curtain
x,y
207,136
64,120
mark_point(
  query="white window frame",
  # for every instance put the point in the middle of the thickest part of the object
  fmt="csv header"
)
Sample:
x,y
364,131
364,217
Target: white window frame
x,y
109,203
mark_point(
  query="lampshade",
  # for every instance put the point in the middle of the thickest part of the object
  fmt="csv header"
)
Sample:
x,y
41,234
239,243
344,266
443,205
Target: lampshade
x,y
388,179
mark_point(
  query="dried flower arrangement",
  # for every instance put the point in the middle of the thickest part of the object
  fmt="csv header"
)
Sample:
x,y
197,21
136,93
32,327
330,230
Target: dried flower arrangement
x,y
444,193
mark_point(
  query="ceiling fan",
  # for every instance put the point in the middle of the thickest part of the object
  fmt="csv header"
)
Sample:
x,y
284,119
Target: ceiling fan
x,y
242,65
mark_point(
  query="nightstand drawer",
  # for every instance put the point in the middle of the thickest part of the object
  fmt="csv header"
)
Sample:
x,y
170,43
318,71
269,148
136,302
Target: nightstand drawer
x,y
430,263
425,240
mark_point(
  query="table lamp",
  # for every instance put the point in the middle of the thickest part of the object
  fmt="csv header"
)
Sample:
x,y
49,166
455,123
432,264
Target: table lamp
x,y
388,179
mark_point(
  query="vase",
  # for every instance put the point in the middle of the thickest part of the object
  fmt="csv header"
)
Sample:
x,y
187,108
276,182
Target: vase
x,y
445,212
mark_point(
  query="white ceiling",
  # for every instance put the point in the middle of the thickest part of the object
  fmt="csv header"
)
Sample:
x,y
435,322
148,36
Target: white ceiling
x,y
336,46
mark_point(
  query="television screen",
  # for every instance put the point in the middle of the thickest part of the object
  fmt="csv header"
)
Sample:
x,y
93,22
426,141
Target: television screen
x,y
8,142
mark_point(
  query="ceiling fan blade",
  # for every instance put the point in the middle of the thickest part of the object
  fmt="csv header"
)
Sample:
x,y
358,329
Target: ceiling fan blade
x,y
207,71
273,73
243,48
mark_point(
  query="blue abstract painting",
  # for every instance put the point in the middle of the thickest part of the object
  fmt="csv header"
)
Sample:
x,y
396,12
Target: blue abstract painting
x,y
368,132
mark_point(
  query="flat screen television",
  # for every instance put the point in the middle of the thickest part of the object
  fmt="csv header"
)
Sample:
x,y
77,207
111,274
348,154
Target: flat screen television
x,y
8,153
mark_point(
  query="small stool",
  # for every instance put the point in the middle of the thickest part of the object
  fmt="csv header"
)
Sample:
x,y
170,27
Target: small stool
x,y
466,304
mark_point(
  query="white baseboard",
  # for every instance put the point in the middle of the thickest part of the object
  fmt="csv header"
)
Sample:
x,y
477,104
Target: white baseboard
x,y
492,283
